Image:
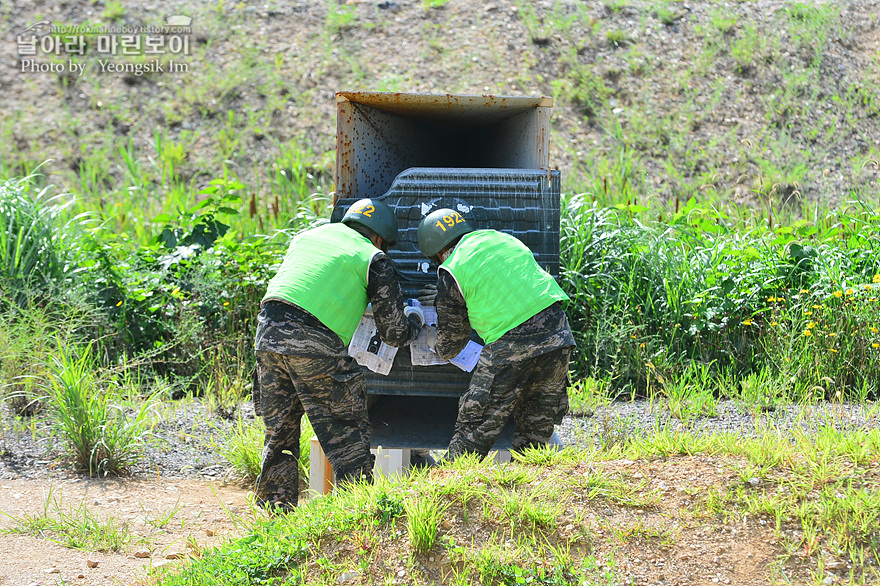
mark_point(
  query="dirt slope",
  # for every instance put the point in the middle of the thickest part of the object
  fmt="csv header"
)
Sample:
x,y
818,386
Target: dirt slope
x,y
734,98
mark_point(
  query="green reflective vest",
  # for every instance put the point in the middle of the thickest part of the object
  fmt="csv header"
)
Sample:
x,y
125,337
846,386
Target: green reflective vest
x,y
325,272
501,282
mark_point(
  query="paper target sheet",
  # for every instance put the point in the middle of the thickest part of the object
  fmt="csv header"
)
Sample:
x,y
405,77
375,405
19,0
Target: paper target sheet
x,y
368,349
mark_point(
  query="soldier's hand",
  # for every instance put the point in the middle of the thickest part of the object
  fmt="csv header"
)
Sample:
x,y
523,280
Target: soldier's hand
x,y
432,336
427,294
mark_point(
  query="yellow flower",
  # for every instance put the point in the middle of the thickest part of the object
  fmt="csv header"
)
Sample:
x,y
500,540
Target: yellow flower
x,y
642,345
873,330
118,304
808,313
225,303
832,334
748,322
875,345
175,291
771,299
868,287
876,279
772,323
811,325
849,291
817,307
833,350
808,333
838,294
805,290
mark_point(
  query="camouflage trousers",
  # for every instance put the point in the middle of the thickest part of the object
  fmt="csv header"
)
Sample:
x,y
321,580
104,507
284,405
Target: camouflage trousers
x,y
533,391
332,392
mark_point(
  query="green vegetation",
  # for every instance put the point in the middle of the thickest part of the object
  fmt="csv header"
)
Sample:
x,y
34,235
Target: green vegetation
x,y
77,528
699,266
242,446
101,437
567,519
726,296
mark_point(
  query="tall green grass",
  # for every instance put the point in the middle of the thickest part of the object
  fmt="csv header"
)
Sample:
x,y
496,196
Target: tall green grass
x,y
101,437
736,292
35,238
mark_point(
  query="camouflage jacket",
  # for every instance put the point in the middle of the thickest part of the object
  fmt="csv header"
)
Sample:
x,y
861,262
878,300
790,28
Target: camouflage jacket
x,y
542,333
284,328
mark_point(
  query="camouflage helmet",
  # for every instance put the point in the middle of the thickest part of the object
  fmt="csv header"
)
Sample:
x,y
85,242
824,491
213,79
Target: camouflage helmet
x,y
439,228
375,215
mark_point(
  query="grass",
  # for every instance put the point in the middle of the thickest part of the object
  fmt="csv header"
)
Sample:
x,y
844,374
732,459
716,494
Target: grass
x,y
423,522
77,528
34,237
562,519
242,446
101,437
797,297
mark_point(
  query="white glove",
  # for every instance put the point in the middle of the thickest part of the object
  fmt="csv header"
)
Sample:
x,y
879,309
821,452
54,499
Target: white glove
x,y
432,336
416,311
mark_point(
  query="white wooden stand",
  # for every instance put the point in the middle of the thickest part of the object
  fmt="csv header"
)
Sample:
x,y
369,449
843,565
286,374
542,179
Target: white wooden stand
x,y
388,463
321,477
502,457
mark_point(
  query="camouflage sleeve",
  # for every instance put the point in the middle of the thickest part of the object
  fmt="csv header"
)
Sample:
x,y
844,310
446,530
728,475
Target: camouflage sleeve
x,y
383,291
453,324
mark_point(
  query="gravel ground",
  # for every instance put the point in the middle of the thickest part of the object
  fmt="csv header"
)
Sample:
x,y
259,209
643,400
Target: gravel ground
x,y
188,433
626,418
185,446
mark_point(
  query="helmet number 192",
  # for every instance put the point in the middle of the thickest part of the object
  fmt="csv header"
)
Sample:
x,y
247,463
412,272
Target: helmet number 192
x,y
450,220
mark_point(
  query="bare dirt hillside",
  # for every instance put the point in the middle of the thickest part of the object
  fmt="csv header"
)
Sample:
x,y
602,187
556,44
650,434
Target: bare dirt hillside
x,y
747,101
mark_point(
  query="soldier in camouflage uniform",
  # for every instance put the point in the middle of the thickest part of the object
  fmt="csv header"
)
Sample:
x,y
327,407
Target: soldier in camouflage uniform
x,y
490,281
306,320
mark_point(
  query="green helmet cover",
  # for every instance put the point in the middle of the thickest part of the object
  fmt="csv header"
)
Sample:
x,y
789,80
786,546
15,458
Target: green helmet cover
x,y
439,228
375,215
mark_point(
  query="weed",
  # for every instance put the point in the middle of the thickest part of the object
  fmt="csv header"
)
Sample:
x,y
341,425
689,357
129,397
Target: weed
x,y
339,18
388,508
113,10
423,520
617,38
77,528
760,392
101,437
587,394
34,239
162,519
546,455
582,87
243,447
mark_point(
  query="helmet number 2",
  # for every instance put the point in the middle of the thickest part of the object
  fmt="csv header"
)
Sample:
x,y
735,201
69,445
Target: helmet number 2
x,y
449,220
